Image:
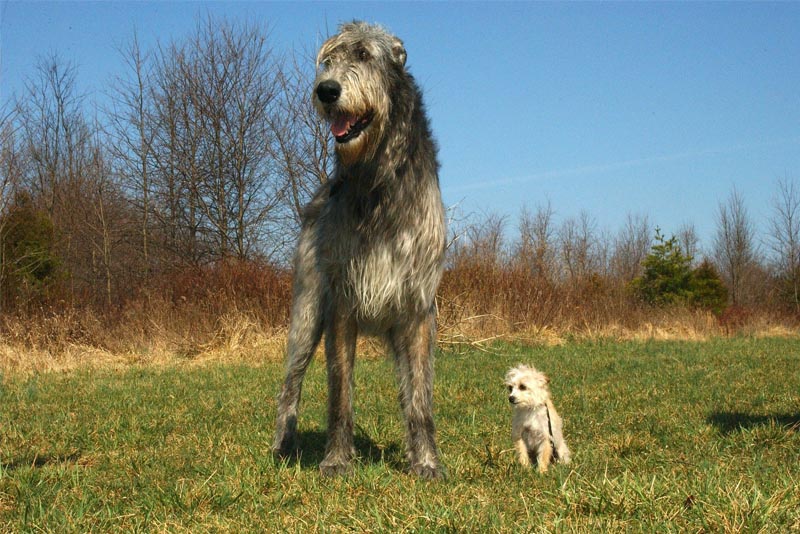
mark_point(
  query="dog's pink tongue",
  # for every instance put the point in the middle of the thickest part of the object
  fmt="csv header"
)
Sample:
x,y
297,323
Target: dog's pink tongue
x,y
340,126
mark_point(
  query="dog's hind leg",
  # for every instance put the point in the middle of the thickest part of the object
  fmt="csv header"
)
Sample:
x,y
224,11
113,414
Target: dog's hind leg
x,y
413,346
563,454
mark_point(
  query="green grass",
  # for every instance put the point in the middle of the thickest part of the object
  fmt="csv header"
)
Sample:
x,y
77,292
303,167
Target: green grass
x,y
666,437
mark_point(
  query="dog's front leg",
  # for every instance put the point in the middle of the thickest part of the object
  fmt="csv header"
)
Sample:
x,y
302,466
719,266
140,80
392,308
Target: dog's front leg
x,y
544,455
522,452
305,331
340,347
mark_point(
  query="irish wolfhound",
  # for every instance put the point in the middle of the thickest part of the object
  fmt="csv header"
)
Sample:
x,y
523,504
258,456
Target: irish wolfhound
x,y
370,252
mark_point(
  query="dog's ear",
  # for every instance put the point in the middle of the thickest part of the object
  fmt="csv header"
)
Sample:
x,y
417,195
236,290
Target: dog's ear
x,y
398,52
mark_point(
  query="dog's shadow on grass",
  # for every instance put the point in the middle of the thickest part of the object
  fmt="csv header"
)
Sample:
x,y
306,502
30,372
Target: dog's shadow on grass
x,y
311,450
729,422
37,460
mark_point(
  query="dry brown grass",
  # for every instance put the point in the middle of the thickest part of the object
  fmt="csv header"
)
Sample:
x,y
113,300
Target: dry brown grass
x,y
51,344
483,301
236,340
240,313
240,339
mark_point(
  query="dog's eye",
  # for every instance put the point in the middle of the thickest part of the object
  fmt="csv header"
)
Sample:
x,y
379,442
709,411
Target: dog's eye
x,y
510,389
523,387
362,54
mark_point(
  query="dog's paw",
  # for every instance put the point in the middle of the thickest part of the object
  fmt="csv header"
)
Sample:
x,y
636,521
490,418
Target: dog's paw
x,y
336,465
428,471
335,469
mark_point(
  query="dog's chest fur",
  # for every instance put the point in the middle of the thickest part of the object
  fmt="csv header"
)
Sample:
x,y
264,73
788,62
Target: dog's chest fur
x,y
385,254
530,420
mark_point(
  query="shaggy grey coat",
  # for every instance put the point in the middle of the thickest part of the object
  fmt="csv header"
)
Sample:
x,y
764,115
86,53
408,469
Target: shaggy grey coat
x,y
370,253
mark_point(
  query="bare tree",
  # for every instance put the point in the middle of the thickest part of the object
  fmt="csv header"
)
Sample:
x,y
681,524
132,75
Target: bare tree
x,y
232,86
132,133
176,153
10,173
578,242
301,139
10,158
196,127
536,248
56,133
784,239
688,241
734,245
68,188
102,228
210,149
480,240
57,140
631,247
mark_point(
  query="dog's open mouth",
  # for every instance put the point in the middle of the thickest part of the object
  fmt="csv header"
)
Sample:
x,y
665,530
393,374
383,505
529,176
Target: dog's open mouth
x,y
347,127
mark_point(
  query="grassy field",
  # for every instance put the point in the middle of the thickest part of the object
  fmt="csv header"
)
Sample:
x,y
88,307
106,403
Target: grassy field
x,y
666,437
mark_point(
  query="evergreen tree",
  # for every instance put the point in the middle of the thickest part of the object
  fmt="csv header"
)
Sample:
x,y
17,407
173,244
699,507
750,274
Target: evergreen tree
x,y
29,263
668,278
708,291
667,273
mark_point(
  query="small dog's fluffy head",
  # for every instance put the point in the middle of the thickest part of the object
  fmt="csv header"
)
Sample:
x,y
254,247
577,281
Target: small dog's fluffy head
x,y
527,387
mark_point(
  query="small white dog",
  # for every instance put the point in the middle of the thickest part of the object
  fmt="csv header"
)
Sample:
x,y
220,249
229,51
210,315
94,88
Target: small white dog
x,y
537,428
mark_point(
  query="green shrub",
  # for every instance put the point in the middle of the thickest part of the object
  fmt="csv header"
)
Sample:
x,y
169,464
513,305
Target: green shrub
x,y
668,278
667,274
30,265
707,290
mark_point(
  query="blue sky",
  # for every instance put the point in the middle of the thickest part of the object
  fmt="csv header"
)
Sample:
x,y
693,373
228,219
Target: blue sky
x,y
657,109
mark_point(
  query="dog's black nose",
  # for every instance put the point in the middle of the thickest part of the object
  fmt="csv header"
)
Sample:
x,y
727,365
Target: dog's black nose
x,y
512,399
328,91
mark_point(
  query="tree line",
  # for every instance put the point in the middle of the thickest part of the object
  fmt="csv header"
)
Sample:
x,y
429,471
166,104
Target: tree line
x,y
208,147
576,262
205,152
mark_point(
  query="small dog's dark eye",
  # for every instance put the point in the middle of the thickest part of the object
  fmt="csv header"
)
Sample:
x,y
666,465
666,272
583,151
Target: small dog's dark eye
x,y
510,388
523,387
362,54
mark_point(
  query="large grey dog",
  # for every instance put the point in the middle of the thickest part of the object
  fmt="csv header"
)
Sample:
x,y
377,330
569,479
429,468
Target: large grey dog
x,y
371,248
